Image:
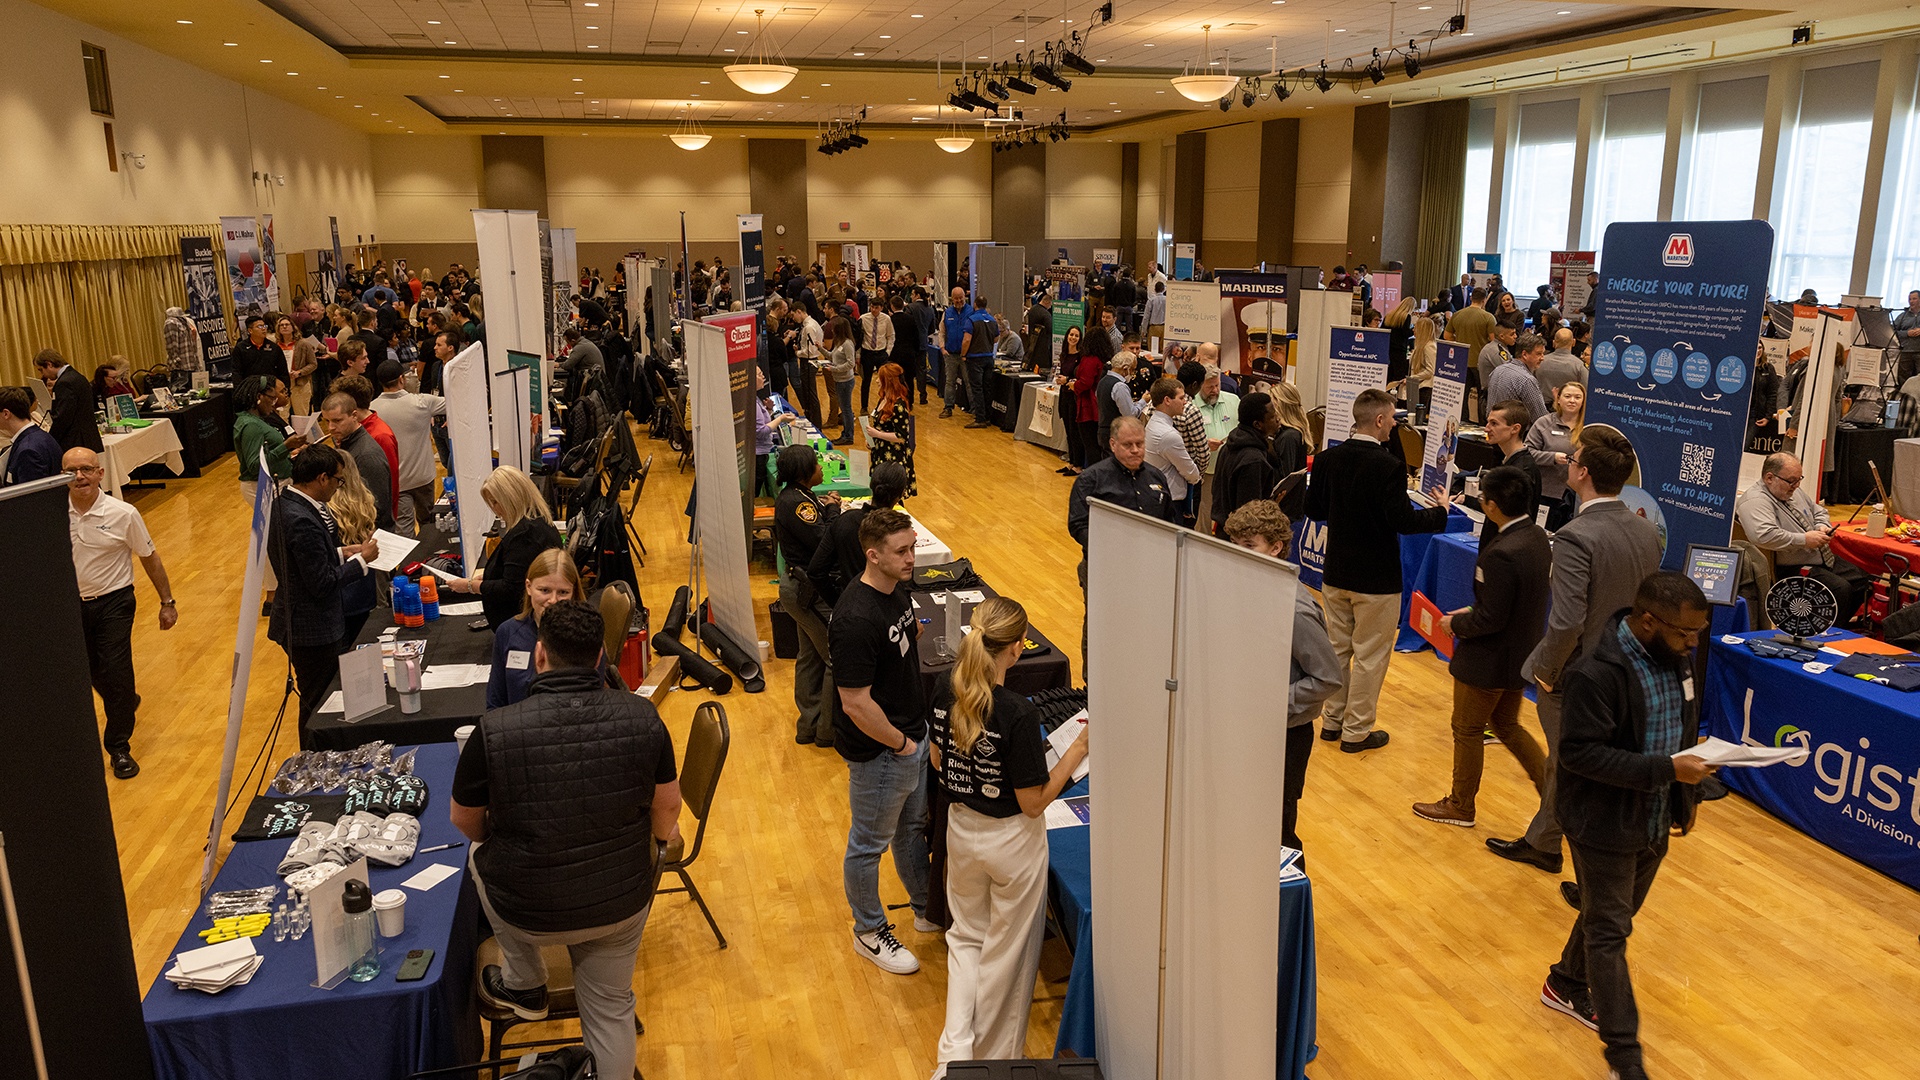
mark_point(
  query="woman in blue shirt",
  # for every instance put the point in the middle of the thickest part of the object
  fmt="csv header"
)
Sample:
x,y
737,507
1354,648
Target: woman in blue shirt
x,y
552,576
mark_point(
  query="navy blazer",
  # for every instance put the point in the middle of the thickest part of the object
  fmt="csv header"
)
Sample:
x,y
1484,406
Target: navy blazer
x,y
305,553
34,455
73,422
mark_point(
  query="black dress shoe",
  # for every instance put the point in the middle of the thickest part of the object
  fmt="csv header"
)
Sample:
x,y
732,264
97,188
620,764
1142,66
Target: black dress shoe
x,y
1329,734
1522,852
803,738
124,766
1374,741
1570,892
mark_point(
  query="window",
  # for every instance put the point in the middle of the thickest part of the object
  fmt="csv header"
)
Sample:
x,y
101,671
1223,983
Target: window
x,y
1539,192
1726,150
1632,155
1902,272
99,92
1479,186
1820,220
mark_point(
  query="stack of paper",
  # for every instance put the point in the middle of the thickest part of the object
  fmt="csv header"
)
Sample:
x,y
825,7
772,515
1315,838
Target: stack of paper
x,y
448,676
1069,813
1063,737
1290,868
471,607
215,967
1715,751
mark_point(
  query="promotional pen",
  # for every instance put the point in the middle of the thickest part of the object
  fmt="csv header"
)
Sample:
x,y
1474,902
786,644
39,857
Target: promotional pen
x,y
440,847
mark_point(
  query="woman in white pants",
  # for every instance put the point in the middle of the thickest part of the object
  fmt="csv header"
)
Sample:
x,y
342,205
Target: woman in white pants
x,y
990,754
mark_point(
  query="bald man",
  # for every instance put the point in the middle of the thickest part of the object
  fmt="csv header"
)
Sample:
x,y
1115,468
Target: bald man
x,y
107,536
1560,366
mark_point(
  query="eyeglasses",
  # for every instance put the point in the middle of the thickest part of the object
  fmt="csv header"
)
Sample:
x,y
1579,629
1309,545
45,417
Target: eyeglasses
x,y
1795,482
1691,633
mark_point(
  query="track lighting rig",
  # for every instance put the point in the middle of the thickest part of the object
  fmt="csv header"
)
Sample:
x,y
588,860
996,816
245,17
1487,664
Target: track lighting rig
x,y
1050,64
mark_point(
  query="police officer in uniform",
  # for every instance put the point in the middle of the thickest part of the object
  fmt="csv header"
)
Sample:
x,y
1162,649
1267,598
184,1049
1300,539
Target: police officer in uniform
x,y
1125,479
800,521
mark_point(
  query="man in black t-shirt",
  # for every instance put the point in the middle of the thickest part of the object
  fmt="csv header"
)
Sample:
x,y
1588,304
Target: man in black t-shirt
x,y
880,728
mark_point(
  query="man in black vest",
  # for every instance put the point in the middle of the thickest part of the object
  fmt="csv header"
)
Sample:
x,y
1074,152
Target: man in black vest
x,y
568,797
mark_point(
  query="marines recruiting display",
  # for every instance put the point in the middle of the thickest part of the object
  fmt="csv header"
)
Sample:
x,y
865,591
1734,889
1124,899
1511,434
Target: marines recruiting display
x,y
1253,323
1674,337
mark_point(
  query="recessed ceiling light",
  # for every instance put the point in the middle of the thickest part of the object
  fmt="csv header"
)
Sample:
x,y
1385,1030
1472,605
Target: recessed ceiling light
x,y
449,43
266,61
1466,33
433,22
706,82
806,97
319,88
1100,61
1159,91
359,106
590,5
726,50
916,16
859,54
981,58
231,44
184,22
1563,13
826,84
913,99
596,101
1340,30
338,97
593,46
579,91
742,33
293,73
1113,103
889,37
1148,45
590,28
1116,110
376,114
459,91
446,76
1426,7
1366,97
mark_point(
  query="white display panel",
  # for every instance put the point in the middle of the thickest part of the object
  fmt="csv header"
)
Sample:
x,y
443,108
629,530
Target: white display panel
x,y
470,433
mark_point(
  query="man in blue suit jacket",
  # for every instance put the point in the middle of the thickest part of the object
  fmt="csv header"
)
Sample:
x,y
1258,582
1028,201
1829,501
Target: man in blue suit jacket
x,y
312,566
33,454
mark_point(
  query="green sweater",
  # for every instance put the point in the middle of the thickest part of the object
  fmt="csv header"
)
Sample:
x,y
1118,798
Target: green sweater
x,y
250,433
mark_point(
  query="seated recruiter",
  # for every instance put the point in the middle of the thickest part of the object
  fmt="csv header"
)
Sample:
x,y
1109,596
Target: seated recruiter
x,y
1784,521
1313,672
570,798
551,577
990,755
501,579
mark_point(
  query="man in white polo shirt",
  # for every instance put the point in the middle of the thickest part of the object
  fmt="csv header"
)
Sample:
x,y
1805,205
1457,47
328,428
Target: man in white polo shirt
x,y
107,536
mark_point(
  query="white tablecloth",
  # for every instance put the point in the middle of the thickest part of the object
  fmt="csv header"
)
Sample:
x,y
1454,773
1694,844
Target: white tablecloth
x,y
124,453
928,549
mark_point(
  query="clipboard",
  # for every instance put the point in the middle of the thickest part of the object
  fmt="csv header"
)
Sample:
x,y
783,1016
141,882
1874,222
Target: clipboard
x,y
1287,483
1424,616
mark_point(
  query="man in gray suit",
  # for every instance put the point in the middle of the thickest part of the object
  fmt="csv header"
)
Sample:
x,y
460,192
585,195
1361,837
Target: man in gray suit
x,y
1599,560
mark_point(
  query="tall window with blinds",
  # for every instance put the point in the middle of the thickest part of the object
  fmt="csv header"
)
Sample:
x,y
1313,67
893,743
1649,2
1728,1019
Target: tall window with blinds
x,y
1826,168
1725,165
1627,174
1539,191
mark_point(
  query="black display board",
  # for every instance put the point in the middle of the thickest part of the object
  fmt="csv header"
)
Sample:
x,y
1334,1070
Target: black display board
x,y
62,859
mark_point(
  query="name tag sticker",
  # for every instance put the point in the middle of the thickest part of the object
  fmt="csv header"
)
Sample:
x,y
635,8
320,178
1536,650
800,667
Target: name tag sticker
x,y
1686,687
517,660
1479,575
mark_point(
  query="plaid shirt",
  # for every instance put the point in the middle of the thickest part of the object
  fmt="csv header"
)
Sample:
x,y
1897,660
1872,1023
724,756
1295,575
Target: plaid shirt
x,y
1665,708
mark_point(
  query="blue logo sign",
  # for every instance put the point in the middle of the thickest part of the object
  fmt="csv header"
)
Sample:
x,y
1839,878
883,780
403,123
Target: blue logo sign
x,y
1732,375
1605,357
1696,370
1665,364
1633,362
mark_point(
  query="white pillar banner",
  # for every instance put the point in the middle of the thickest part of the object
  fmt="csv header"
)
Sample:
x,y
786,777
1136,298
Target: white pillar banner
x,y
515,293
251,586
470,432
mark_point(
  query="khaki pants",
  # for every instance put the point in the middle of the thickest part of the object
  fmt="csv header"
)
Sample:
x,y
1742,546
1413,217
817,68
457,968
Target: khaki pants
x,y
1475,710
1362,627
997,896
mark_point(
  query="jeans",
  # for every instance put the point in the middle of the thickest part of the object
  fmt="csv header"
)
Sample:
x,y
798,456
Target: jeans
x,y
812,679
977,375
952,372
1612,888
107,622
888,798
844,392
932,368
603,959
1474,711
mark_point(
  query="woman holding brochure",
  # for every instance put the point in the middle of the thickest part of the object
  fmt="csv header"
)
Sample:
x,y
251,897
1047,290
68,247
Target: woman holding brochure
x,y
990,754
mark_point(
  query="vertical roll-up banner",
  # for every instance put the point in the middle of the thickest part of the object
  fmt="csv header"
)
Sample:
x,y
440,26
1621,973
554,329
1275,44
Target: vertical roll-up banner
x,y
1193,311
1482,266
1357,360
1183,259
269,262
1443,412
339,264
1069,287
1253,324
516,294
720,491
565,281
1386,290
241,237
202,272
636,304
1674,333
550,326
753,262
1567,272
252,583
470,433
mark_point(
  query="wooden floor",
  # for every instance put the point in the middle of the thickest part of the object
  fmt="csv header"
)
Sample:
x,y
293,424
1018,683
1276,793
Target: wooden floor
x,y
1760,954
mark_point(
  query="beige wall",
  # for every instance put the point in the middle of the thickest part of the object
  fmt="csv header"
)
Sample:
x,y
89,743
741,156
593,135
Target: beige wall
x,y
1324,188
904,189
203,137
427,187
1231,197
631,190
1151,204
1083,191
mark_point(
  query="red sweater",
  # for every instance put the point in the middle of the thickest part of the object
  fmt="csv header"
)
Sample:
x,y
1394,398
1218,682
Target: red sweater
x,y
1086,379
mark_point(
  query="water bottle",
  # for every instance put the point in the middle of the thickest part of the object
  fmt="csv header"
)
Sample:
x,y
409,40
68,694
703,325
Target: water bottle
x,y
429,597
357,900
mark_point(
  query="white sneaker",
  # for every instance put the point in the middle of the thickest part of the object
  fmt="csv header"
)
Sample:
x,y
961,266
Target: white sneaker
x,y
926,927
885,951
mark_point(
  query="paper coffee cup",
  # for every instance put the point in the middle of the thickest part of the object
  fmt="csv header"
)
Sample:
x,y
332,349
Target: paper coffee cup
x,y
766,651
390,912
460,736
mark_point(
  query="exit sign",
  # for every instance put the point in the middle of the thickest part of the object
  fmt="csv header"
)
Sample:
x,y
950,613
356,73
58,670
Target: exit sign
x,y
845,226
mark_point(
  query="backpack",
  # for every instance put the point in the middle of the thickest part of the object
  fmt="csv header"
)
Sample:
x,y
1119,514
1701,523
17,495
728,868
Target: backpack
x,y
597,540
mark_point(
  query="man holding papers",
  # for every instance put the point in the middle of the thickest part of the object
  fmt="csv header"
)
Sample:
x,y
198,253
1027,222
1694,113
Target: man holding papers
x,y
1624,785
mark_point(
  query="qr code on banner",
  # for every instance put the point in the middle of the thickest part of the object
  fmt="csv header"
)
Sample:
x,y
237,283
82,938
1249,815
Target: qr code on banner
x,y
1696,464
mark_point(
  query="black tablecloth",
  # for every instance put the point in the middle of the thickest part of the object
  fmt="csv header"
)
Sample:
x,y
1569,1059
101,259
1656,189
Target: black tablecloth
x,y
205,429
1854,450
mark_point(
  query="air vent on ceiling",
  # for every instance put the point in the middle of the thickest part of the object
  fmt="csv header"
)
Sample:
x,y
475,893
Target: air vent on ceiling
x,y
409,39
550,5
1236,26
663,44
800,9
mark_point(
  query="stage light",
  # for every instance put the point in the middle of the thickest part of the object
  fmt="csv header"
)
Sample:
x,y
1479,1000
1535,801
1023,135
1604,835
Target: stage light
x,y
1410,62
958,101
1281,92
1020,85
1075,62
1249,90
858,139
997,90
1045,73
1325,84
1457,23
1377,70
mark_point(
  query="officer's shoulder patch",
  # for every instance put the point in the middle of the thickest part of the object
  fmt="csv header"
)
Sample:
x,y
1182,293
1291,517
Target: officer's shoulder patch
x,y
807,512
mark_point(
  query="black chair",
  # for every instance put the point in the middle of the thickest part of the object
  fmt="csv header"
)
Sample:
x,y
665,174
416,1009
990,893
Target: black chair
x,y
700,770
633,506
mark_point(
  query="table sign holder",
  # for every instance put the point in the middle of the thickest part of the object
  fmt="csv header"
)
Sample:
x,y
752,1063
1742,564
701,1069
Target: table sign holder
x,y
326,902
860,462
363,683
201,380
948,643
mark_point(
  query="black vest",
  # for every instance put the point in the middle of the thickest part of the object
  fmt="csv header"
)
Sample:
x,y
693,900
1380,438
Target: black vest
x,y
569,786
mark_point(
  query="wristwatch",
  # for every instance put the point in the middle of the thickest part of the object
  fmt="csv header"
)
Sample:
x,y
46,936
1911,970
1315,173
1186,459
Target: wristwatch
x,y
169,603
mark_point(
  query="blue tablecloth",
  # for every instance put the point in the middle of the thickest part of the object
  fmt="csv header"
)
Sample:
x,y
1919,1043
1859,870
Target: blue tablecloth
x,y
1445,576
1070,869
278,1027
1854,793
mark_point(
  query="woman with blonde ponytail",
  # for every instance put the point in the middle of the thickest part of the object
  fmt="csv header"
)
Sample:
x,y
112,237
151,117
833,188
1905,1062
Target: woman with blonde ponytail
x,y
990,754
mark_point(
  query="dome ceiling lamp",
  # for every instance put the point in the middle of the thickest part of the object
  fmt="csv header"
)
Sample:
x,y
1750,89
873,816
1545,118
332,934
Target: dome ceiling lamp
x,y
765,70
1205,86
689,135
952,142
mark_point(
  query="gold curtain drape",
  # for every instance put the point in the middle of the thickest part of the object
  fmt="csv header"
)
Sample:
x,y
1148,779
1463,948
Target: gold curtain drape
x,y
89,291
1443,191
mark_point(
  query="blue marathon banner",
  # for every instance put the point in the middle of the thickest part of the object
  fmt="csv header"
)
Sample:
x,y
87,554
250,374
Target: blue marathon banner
x,y
1675,331
1858,789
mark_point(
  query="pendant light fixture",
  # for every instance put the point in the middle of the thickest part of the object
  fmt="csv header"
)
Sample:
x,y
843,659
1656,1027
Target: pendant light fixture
x,y
952,142
689,135
764,71
1204,85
